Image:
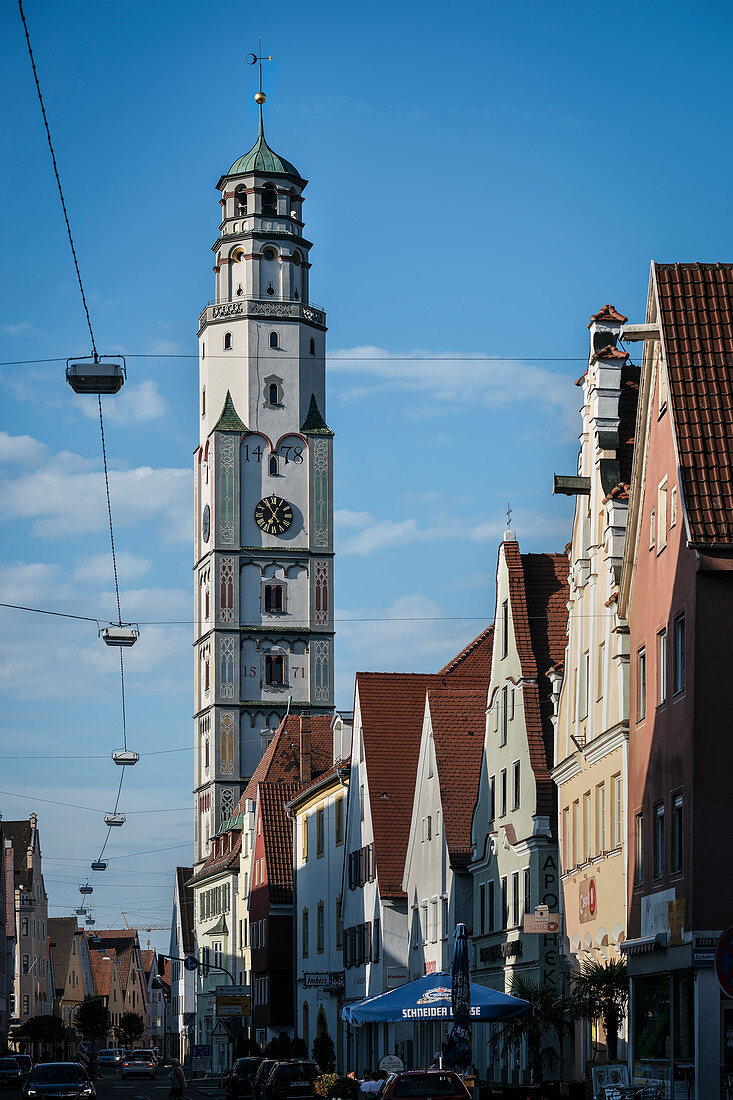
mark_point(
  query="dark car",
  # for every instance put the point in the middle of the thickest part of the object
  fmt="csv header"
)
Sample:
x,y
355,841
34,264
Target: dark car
x,y
59,1079
25,1062
421,1084
258,1081
288,1080
11,1075
238,1082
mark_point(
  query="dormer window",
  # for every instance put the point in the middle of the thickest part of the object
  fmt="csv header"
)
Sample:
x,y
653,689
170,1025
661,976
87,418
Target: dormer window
x,y
227,341
269,200
274,340
240,200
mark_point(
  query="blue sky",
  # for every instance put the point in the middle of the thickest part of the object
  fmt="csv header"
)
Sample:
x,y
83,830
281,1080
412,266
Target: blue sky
x,y
483,177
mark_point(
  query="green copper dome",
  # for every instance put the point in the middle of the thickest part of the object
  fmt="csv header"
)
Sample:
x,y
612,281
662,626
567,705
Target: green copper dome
x,y
261,158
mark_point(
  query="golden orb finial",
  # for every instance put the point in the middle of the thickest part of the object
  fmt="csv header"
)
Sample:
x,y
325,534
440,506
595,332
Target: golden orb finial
x,y
260,97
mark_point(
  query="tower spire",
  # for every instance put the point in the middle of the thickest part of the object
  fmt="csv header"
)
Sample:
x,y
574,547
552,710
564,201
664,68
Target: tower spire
x,y
260,97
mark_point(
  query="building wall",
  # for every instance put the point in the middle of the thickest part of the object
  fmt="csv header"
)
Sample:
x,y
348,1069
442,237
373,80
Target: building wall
x,y
318,886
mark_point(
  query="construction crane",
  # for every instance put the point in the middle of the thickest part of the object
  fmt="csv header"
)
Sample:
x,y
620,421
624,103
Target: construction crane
x,y
147,927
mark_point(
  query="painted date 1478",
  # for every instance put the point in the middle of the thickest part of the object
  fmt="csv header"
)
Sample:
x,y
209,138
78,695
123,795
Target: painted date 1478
x,y
289,454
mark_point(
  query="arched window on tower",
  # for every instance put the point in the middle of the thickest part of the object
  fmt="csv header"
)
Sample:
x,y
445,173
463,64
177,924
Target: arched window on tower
x,y
227,341
274,394
274,340
273,466
240,200
313,346
269,200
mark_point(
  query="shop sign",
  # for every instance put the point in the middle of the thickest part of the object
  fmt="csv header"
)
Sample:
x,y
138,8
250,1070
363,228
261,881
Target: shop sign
x,y
703,950
331,981
542,920
498,951
391,1064
396,976
430,968
587,900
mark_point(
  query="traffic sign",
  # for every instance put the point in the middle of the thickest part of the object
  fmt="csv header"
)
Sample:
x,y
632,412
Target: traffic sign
x,y
724,962
85,1047
191,962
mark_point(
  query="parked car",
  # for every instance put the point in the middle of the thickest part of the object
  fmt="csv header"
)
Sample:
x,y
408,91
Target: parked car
x,y
288,1080
25,1062
238,1082
416,1084
155,1051
111,1057
258,1081
11,1075
52,1079
139,1063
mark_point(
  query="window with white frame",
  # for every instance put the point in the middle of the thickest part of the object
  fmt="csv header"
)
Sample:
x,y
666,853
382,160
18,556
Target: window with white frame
x,y
661,666
662,515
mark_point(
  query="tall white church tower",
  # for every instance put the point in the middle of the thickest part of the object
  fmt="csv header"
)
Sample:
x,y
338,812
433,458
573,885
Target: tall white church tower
x,y
263,487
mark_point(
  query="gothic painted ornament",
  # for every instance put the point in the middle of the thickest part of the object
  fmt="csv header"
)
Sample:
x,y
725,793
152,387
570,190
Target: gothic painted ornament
x,y
206,523
273,515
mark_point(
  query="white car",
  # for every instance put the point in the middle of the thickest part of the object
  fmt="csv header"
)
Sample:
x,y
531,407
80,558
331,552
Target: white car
x,y
139,1063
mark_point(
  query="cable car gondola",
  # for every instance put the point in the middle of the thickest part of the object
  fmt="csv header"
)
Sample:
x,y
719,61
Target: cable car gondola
x,y
125,757
91,920
86,889
125,634
99,865
96,377
81,911
113,819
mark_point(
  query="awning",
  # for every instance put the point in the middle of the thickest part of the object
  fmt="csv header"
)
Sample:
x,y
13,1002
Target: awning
x,y
429,998
644,944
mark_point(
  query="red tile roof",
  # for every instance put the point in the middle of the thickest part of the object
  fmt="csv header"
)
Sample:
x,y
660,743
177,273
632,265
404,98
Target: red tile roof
x,y
148,958
277,834
696,318
458,720
609,352
102,970
281,761
217,863
608,313
475,659
538,591
392,706
124,942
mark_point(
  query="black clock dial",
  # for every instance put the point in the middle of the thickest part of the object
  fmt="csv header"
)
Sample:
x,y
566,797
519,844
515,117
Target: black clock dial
x,y
206,523
273,515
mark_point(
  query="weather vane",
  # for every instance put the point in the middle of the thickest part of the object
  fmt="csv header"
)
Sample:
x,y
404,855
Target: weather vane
x,y
255,59
508,515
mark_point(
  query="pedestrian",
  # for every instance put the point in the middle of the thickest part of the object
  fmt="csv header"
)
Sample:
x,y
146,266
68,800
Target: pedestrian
x,y
369,1084
177,1079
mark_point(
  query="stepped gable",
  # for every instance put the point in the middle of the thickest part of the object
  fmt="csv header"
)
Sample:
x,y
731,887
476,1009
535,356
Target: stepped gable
x,y
538,591
458,720
277,834
392,706
696,319
475,659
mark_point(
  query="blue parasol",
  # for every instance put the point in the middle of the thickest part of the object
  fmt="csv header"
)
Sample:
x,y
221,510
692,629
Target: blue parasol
x,y
458,1048
429,998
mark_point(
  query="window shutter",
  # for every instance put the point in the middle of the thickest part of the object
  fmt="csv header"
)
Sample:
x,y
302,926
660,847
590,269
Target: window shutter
x,y
376,941
368,941
351,870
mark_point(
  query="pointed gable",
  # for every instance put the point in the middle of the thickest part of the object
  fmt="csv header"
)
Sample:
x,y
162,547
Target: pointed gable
x,y
229,421
314,424
475,659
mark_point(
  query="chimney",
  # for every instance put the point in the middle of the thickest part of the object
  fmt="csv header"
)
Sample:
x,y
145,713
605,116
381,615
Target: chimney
x,y
306,759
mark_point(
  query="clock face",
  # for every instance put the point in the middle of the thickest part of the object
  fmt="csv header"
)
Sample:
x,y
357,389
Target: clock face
x,y
206,523
273,515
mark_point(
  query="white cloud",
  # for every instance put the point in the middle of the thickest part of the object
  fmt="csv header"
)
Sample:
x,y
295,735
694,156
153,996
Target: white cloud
x,y
368,534
448,379
412,634
97,570
21,328
64,496
134,404
21,449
